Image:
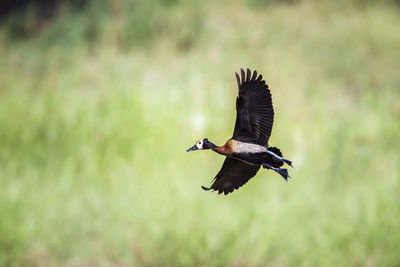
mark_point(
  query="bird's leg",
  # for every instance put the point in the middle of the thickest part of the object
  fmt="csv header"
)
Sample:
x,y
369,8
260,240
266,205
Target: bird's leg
x,y
288,162
283,172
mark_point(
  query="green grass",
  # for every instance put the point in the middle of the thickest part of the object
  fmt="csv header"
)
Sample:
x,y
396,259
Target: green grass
x,y
93,132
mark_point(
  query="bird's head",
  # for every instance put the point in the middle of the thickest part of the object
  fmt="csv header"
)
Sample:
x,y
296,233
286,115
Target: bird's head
x,y
202,144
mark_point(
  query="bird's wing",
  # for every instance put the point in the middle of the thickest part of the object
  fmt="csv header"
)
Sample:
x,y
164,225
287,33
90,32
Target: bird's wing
x,y
254,111
233,174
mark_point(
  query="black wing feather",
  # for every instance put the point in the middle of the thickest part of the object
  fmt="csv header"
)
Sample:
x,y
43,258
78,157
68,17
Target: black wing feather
x,y
255,113
233,174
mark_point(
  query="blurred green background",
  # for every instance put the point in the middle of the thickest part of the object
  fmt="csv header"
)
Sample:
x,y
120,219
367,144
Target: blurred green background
x,y
100,99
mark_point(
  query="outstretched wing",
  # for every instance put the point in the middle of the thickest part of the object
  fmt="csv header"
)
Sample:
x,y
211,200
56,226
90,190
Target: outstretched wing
x,y
254,111
233,174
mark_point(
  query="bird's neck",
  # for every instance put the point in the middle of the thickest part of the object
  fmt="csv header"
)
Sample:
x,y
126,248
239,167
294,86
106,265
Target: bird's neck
x,y
223,150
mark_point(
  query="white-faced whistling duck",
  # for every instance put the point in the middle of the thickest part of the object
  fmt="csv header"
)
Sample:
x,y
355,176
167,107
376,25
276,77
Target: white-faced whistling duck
x,y
248,149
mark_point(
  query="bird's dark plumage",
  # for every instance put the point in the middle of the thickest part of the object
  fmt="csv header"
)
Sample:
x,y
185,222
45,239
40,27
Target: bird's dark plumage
x,y
254,111
233,174
254,120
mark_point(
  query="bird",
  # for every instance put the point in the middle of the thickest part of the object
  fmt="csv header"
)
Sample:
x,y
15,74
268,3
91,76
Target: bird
x,y
248,148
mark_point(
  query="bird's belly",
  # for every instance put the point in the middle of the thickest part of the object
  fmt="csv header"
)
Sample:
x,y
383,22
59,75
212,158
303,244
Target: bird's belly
x,y
252,158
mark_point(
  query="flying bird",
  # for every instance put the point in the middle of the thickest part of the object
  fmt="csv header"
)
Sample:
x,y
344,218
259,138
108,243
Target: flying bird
x,y
248,148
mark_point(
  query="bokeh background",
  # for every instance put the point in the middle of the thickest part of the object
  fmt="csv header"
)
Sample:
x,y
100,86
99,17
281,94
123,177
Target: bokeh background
x,y
100,99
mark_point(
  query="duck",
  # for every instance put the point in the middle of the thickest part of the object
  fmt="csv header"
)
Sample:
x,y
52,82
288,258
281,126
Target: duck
x,y
248,150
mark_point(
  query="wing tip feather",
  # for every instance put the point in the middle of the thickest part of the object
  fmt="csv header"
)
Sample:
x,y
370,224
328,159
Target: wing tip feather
x,y
205,188
243,75
237,79
254,75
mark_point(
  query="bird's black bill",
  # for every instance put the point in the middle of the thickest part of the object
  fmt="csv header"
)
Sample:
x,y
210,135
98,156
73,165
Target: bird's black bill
x,y
192,148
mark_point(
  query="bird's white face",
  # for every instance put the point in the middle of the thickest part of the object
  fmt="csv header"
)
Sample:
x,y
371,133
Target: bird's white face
x,y
199,144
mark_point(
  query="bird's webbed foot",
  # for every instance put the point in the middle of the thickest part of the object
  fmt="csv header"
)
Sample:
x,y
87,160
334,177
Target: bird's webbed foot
x,y
288,162
283,172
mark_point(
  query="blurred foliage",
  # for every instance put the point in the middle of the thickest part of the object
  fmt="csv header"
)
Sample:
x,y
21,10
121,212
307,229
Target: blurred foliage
x,y
128,23
99,103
